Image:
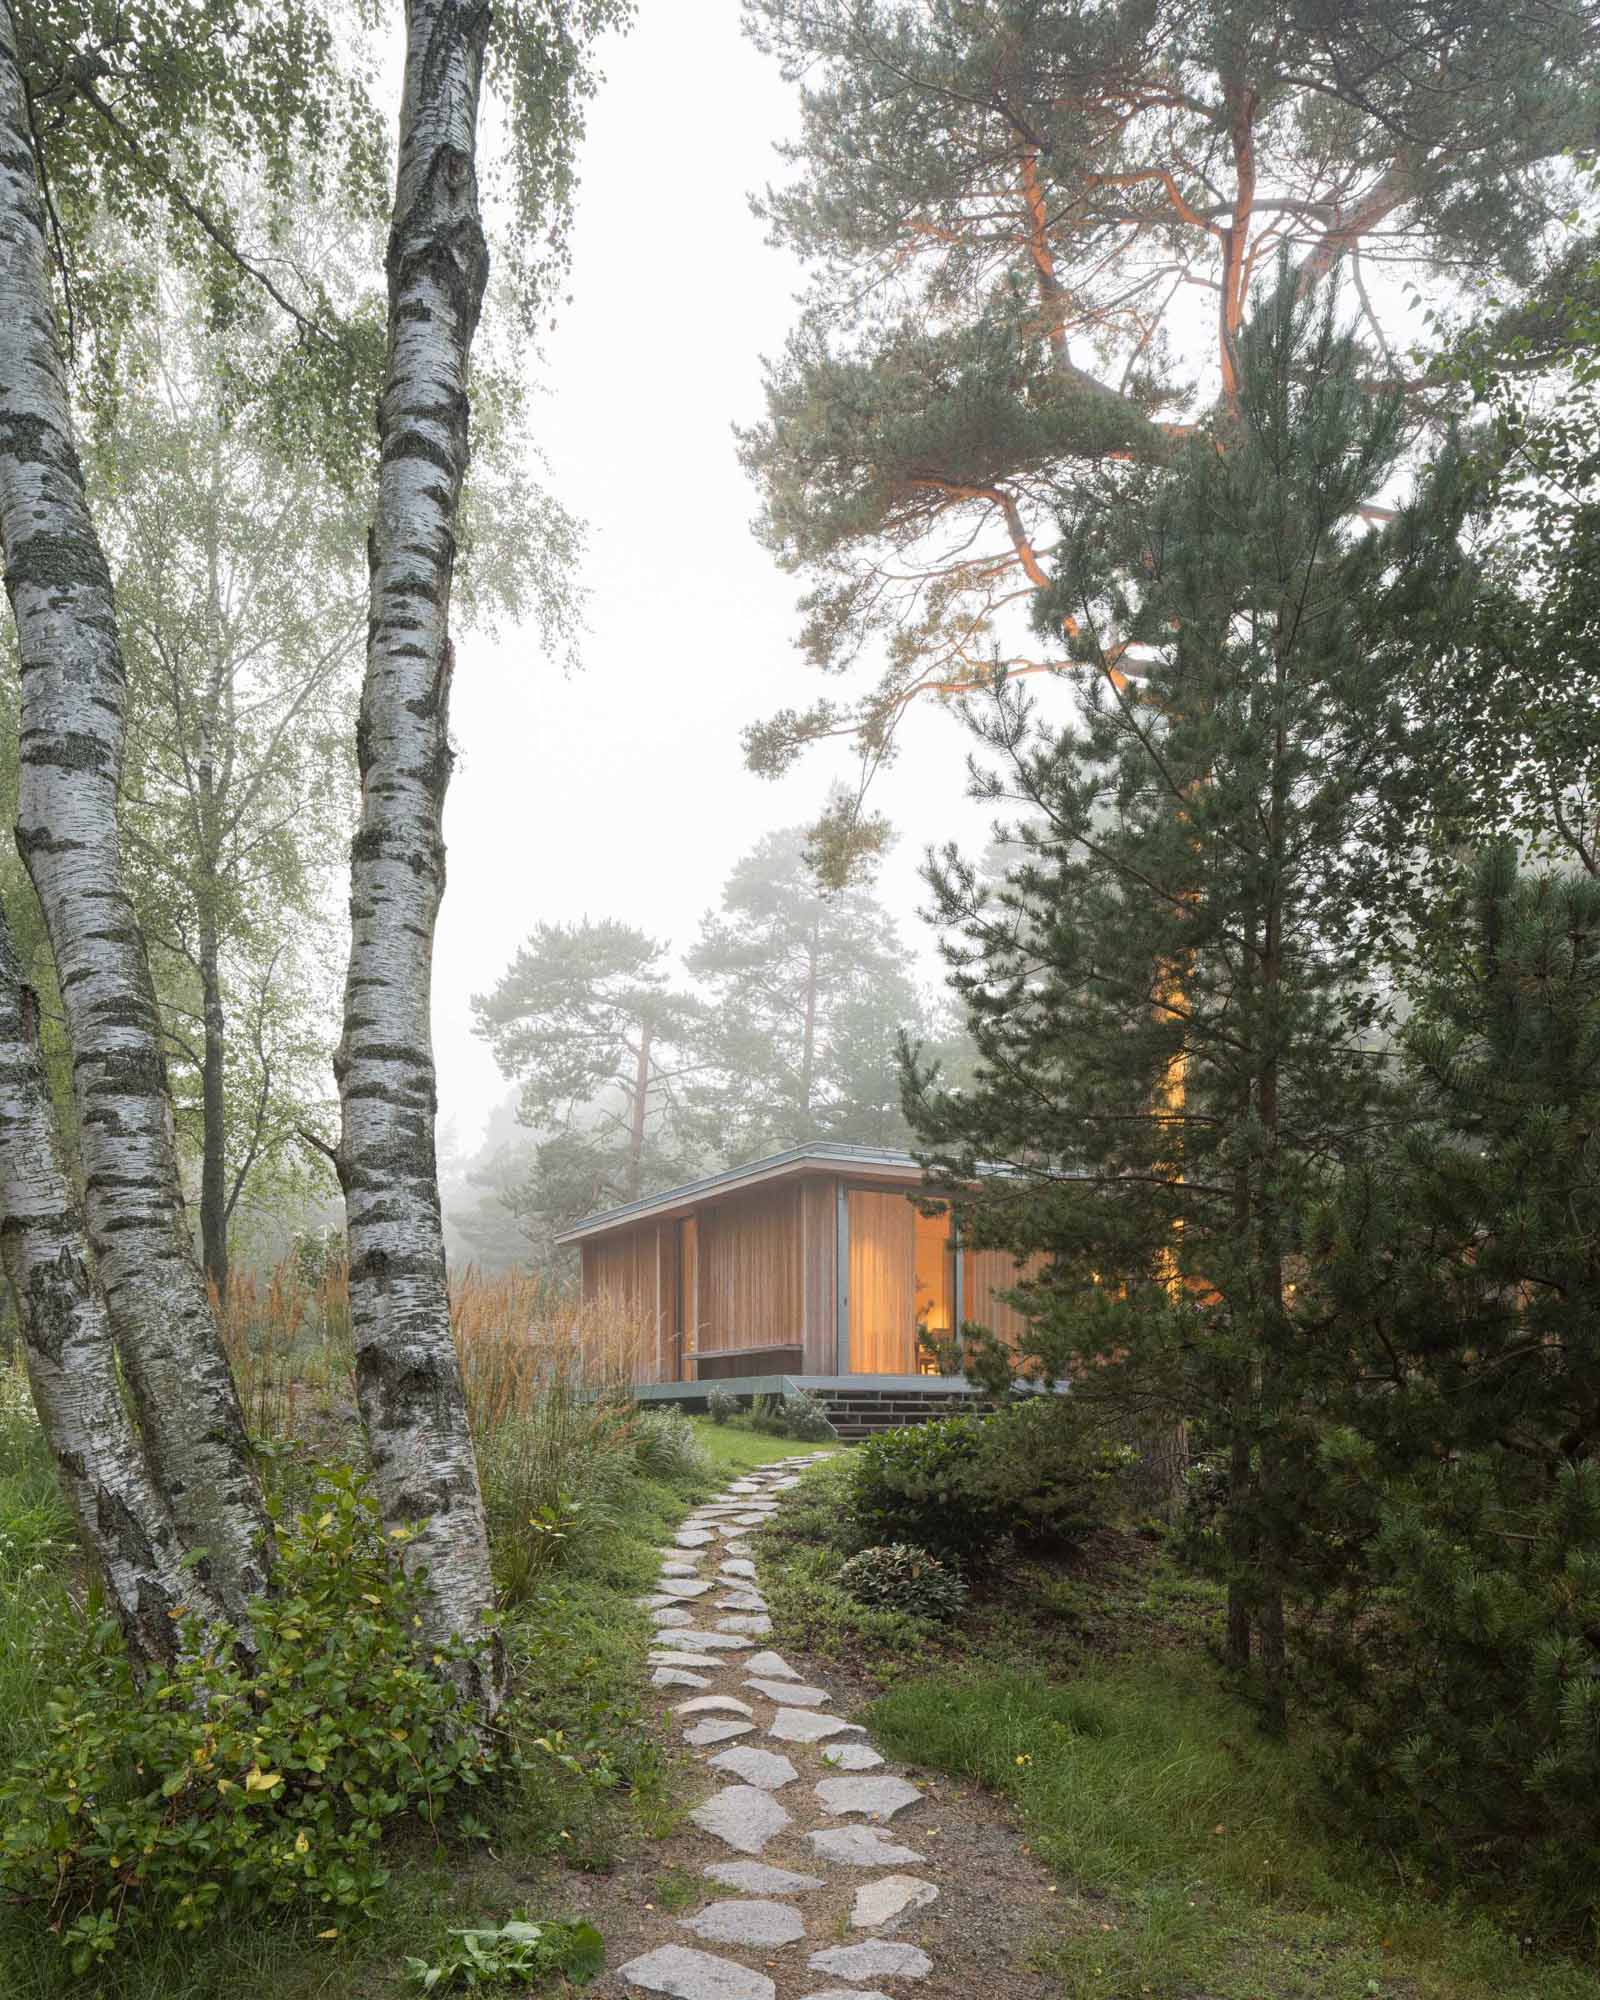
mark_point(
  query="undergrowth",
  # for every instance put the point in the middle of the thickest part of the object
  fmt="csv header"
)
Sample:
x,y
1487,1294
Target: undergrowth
x,y
589,1780
1192,1854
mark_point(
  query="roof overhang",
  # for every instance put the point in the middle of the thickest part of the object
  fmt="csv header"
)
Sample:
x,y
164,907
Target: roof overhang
x,y
867,1162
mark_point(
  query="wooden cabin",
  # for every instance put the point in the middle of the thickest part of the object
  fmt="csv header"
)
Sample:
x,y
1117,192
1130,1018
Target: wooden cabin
x,y
812,1269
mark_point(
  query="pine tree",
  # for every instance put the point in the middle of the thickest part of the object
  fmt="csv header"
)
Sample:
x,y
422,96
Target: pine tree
x,y
1459,1503
809,989
1017,214
1177,1035
605,1050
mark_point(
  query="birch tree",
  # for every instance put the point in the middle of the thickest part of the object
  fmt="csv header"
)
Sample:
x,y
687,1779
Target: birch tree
x,y
407,1376
72,723
124,1520
114,118
242,612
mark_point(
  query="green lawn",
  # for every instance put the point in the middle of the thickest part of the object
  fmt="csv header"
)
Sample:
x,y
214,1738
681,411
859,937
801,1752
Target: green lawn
x,y
736,1450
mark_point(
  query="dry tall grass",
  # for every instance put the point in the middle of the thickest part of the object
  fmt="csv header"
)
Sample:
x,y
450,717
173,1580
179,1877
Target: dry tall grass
x,y
520,1338
287,1336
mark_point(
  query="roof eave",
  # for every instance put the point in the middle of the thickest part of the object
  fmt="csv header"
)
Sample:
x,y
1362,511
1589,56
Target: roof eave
x,y
818,1158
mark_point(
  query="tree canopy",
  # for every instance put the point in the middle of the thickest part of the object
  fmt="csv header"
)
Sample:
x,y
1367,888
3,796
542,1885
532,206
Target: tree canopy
x,y
1033,231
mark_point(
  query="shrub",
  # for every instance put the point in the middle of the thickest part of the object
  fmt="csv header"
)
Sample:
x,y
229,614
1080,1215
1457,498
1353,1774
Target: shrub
x,y
209,1788
721,1406
967,1486
805,1417
1462,1687
902,1577
665,1446
767,1416
921,1485
1044,1470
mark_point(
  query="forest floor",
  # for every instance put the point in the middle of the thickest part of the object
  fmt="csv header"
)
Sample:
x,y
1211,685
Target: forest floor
x,y
1112,1825
1188,1856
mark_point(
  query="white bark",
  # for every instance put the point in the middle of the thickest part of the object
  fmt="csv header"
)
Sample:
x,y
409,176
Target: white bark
x,y
407,1375
72,727
66,1338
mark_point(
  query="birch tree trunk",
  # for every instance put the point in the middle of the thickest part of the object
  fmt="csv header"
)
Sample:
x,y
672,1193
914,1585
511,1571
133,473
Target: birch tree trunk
x,y
73,699
66,1337
407,1377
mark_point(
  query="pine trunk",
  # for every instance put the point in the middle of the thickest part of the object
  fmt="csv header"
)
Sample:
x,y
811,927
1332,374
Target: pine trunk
x,y
73,703
407,1375
808,1039
640,1111
1236,1645
124,1523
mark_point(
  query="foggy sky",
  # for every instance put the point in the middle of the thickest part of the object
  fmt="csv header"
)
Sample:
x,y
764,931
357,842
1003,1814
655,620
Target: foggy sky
x,y
621,791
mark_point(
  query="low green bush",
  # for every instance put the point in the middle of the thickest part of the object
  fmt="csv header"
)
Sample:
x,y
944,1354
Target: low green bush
x,y
901,1577
800,1415
1046,1470
511,1955
967,1487
806,1418
921,1485
766,1416
210,1789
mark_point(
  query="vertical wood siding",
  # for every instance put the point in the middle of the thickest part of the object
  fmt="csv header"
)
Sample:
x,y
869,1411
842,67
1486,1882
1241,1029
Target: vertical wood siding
x,y
750,1271
985,1272
819,1249
669,1347
621,1270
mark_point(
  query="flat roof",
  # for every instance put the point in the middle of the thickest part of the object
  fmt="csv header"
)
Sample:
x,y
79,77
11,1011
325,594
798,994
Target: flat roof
x,y
822,1154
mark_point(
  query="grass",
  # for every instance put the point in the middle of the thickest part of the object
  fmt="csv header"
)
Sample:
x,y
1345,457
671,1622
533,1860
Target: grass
x,y
1193,1856
1189,1848
36,1547
737,1450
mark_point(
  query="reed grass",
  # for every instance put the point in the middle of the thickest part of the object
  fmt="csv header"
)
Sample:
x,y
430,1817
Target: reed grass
x,y
520,1335
287,1336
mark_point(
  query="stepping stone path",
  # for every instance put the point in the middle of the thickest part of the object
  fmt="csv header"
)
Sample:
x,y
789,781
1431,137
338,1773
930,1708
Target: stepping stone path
x,y
769,1930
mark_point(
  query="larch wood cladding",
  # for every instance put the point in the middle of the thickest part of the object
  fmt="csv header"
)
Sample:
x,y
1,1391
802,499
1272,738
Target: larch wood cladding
x,y
983,1274
669,1339
750,1292
622,1271
819,1266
